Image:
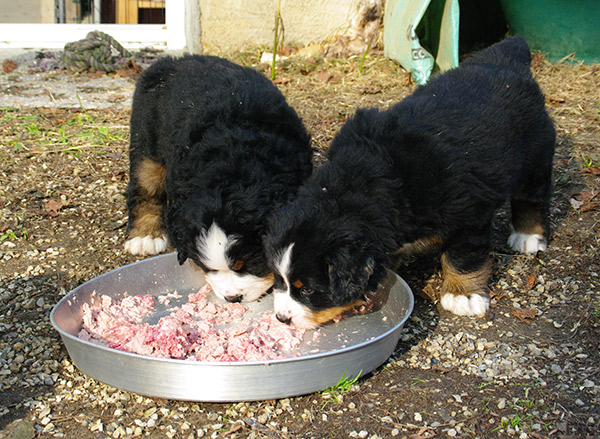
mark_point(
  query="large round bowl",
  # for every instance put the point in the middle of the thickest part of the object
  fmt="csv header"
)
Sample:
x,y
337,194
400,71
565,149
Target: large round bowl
x,y
352,347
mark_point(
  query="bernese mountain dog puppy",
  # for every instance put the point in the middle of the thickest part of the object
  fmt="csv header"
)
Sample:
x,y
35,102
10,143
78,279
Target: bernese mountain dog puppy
x,y
432,170
215,149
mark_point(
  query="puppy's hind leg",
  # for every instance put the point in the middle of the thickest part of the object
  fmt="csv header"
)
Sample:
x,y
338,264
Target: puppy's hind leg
x,y
530,203
146,201
529,223
466,269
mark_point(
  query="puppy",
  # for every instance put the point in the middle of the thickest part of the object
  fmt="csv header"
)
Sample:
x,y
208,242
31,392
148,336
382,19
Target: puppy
x,y
432,170
214,150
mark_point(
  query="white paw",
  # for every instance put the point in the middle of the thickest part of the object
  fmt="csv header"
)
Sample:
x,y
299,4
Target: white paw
x,y
524,243
146,245
473,305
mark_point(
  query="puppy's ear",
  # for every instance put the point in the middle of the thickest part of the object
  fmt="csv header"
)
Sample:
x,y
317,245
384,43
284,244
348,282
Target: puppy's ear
x,y
349,276
181,257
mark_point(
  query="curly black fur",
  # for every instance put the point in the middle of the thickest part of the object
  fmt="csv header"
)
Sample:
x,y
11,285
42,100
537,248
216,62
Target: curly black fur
x,y
233,150
436,165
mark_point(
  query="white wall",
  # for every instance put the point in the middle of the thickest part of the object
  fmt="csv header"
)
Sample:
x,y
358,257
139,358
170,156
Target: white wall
x,y
229,25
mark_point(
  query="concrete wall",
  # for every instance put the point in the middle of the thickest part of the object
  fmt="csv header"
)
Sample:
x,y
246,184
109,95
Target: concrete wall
x,y
25,11
34,11
230,25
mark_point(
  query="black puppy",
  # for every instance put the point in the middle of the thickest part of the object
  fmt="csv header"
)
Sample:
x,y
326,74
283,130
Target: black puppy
x,y
432,170
215,149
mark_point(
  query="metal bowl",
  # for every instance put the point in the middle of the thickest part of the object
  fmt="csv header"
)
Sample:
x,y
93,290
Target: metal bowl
x,y
354,346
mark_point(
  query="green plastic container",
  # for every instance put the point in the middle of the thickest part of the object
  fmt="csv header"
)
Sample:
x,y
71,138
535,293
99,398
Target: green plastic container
x,y
557,28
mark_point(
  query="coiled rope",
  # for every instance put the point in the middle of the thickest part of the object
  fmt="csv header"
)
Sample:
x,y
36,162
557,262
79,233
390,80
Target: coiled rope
x,y
95,52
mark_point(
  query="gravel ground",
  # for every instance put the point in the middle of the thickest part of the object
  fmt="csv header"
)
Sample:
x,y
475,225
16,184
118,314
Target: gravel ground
x,y
529,369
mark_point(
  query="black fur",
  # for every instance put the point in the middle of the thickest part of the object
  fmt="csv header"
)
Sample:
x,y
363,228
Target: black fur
x,y
437,164
233,151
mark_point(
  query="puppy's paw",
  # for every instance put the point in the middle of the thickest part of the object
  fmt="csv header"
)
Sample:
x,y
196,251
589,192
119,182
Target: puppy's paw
x,y
146,246
525,243
473,305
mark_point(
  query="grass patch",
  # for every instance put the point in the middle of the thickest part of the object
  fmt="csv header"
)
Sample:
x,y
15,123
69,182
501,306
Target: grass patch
x,y
41,132
342,387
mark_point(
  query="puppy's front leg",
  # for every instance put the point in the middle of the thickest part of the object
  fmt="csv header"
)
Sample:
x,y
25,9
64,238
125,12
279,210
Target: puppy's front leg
x,y
146,201
466,269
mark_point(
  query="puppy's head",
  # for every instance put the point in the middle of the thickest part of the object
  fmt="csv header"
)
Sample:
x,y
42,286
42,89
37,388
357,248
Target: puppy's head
x,y
323,264
232,259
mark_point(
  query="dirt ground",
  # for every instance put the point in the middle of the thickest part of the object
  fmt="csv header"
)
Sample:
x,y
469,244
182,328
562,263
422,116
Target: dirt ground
x,y
63,171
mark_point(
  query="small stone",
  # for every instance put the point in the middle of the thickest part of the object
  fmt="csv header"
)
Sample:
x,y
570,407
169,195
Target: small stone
x,y
20,429
555,368
418,417
363,434
501,403
452,432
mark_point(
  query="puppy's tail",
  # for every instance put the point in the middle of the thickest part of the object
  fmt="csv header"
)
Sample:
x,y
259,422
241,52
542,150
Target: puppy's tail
x,y
511,52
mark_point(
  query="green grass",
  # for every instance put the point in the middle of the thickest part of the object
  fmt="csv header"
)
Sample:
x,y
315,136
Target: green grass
x,y
9,235
417,381
516,420
342,387
37,133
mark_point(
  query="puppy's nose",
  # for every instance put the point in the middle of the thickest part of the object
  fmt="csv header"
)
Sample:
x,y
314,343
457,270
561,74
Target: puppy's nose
x,y
283,319
234,299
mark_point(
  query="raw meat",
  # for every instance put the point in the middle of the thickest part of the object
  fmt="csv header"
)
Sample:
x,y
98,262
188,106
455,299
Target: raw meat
x,y
199,330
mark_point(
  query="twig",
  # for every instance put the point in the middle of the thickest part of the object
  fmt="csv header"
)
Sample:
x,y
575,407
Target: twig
x,y
70,148
276,39
261,427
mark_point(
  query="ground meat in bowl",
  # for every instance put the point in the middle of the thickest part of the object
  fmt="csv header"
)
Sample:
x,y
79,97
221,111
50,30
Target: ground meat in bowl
x,y
198,330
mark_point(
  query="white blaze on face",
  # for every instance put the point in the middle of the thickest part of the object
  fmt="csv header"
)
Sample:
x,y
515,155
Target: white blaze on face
x,y
225,282
285,305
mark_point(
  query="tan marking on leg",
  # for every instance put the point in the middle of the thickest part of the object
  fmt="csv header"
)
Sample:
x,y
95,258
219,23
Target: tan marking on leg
x,y
148,212
151,177
148,221
324,316
464,284
526,218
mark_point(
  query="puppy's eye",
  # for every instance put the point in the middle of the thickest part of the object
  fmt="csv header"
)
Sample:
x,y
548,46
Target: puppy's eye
x,y
306,291
298,284
238,265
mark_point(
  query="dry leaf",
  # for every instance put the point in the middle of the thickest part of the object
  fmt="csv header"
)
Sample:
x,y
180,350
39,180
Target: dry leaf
x,y
442,369
532,281
525,315
594,170
52,207
324,76
8,65
282,81
430,292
